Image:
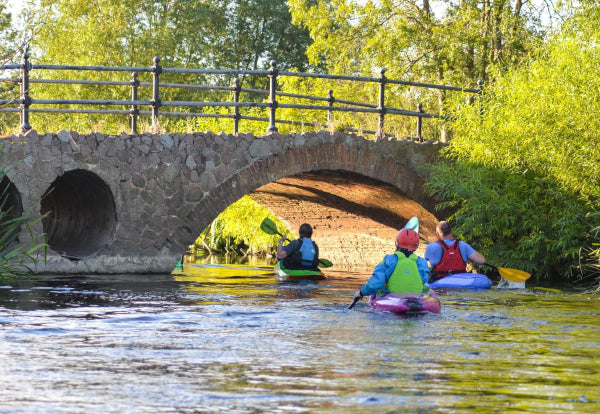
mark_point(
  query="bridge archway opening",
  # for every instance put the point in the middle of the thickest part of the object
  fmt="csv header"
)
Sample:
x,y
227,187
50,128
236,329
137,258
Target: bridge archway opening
x,y
355,218
11,207
81,214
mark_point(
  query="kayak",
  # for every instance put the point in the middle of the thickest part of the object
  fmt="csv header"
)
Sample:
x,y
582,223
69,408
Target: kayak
x,y
463,281
406,303
285,275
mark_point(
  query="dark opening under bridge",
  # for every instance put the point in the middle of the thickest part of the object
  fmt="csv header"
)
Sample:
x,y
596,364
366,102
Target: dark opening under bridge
x,y
134,203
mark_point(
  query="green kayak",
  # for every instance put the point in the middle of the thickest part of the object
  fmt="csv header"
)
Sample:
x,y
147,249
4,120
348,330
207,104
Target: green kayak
x,y
285,275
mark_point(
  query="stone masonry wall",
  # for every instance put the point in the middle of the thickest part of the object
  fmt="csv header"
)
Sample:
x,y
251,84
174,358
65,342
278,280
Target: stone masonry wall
x,y
166,188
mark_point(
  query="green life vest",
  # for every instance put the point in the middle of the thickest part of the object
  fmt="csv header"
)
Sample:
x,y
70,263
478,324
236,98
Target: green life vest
x,y
405,278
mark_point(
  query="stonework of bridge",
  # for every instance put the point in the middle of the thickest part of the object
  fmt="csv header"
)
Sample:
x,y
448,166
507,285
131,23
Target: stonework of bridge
x,y
134,203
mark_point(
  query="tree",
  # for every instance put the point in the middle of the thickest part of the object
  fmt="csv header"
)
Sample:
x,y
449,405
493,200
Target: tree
x,y
523,175
456,44
214,34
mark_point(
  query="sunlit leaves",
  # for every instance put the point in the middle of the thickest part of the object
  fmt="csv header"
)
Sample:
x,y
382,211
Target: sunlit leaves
x,y
237,229
525,160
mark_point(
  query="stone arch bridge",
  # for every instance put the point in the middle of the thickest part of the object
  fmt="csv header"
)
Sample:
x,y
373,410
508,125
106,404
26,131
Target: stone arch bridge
x,y
134,203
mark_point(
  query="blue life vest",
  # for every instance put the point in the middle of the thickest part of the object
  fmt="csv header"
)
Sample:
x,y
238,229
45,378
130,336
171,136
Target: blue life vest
x,y
307,249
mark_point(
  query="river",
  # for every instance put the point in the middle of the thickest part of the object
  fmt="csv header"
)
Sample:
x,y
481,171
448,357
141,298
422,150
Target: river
x,y
230,339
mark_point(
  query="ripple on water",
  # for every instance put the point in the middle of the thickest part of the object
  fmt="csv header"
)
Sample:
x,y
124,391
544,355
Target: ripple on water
x,y
156,344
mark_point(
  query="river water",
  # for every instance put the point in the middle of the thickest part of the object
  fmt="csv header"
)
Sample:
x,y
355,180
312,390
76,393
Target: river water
x,y
230,339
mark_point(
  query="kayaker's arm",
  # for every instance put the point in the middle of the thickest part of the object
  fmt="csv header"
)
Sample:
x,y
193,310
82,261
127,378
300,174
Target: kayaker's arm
x,y
477,258
281,253
381,274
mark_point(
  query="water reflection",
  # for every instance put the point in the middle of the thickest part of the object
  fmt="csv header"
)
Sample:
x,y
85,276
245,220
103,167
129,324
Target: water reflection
x,y
221,337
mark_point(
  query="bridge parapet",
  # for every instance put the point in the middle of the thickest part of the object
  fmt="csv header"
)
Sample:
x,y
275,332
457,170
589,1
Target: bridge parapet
x,y
133,203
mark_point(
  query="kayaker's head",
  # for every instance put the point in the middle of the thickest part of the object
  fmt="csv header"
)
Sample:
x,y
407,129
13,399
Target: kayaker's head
x,y
443,230
305,231
407,239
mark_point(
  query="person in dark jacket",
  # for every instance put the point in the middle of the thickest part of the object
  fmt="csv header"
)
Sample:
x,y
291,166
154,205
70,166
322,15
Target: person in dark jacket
x,y
302,253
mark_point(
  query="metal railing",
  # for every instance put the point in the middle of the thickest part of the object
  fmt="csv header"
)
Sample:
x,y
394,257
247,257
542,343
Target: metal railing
x,y
27,104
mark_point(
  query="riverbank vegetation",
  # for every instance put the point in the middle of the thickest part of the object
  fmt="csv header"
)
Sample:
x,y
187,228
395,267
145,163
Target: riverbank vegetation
x,y
237,230
16,257
521,170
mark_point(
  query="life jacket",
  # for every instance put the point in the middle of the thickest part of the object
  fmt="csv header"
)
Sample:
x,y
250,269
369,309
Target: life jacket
x,y
306,256
405,277
451,262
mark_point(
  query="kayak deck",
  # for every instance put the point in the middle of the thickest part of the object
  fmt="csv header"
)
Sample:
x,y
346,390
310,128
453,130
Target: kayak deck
x,y
285,275
463,281
406,303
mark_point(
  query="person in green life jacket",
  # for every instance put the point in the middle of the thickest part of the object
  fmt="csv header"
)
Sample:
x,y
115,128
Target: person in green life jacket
x,y
302,253
401,272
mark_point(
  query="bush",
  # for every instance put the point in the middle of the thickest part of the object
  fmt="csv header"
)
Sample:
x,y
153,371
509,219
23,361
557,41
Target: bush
x,y
523,171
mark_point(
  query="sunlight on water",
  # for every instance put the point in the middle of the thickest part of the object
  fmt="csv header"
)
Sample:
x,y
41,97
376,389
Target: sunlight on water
x,y
229,338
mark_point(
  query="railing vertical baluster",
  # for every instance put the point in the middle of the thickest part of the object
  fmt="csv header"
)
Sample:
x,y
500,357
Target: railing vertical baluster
x,y
381,106
236,109
134,112
24,81
330,101
272,99
419,122
156,71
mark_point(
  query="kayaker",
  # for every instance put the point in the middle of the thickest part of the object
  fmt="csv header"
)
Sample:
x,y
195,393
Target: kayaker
x,y
448,255
302,253
401,272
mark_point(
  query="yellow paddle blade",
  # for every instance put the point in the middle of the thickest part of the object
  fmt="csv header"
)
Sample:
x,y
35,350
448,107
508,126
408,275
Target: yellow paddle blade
x,y
514,275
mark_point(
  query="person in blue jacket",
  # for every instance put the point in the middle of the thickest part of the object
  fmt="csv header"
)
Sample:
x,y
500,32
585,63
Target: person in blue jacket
x,y
302,253
402,271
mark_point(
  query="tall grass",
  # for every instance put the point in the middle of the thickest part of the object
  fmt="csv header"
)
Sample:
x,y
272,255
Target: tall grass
x,y
16,256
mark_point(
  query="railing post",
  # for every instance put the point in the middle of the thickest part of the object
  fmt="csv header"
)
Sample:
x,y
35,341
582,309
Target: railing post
x,y
134,111
381,105
155,102
272,99
24,81
236,109
419,122
330,101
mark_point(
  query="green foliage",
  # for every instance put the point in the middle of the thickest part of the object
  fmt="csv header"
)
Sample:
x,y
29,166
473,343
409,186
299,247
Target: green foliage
x,y
414,41
523,175
237,229
14,256
216,34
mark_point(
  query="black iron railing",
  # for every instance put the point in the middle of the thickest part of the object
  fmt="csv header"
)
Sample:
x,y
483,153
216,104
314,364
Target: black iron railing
x,y
26,103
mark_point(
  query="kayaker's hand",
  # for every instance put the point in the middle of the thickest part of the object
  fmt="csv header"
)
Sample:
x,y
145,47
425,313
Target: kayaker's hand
x,y
357,295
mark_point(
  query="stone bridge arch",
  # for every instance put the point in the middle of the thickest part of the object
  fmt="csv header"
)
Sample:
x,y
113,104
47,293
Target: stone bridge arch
x,y
133,203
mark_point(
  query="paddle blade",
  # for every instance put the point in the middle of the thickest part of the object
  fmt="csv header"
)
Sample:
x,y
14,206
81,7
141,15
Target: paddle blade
x,y
413,224
269,226
514,275
354,302
325,263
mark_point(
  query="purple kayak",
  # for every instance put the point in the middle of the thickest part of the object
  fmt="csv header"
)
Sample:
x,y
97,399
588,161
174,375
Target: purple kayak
x,y
406,303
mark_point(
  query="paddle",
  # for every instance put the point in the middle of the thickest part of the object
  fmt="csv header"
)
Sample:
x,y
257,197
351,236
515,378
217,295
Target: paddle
x,y
269,227
514,275
356,299
413,224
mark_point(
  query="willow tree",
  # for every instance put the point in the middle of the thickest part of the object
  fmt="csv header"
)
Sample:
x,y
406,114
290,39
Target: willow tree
x,y
523,174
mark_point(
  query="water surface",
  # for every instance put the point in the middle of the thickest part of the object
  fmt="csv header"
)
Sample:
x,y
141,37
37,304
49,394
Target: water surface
x,y
229,338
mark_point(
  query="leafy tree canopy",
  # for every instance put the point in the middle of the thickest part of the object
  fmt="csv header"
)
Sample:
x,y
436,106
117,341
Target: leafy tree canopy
x,y
446,40
524,168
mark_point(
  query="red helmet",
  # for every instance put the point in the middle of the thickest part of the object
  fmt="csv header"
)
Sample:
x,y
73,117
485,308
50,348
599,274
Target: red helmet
x,y
407,239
